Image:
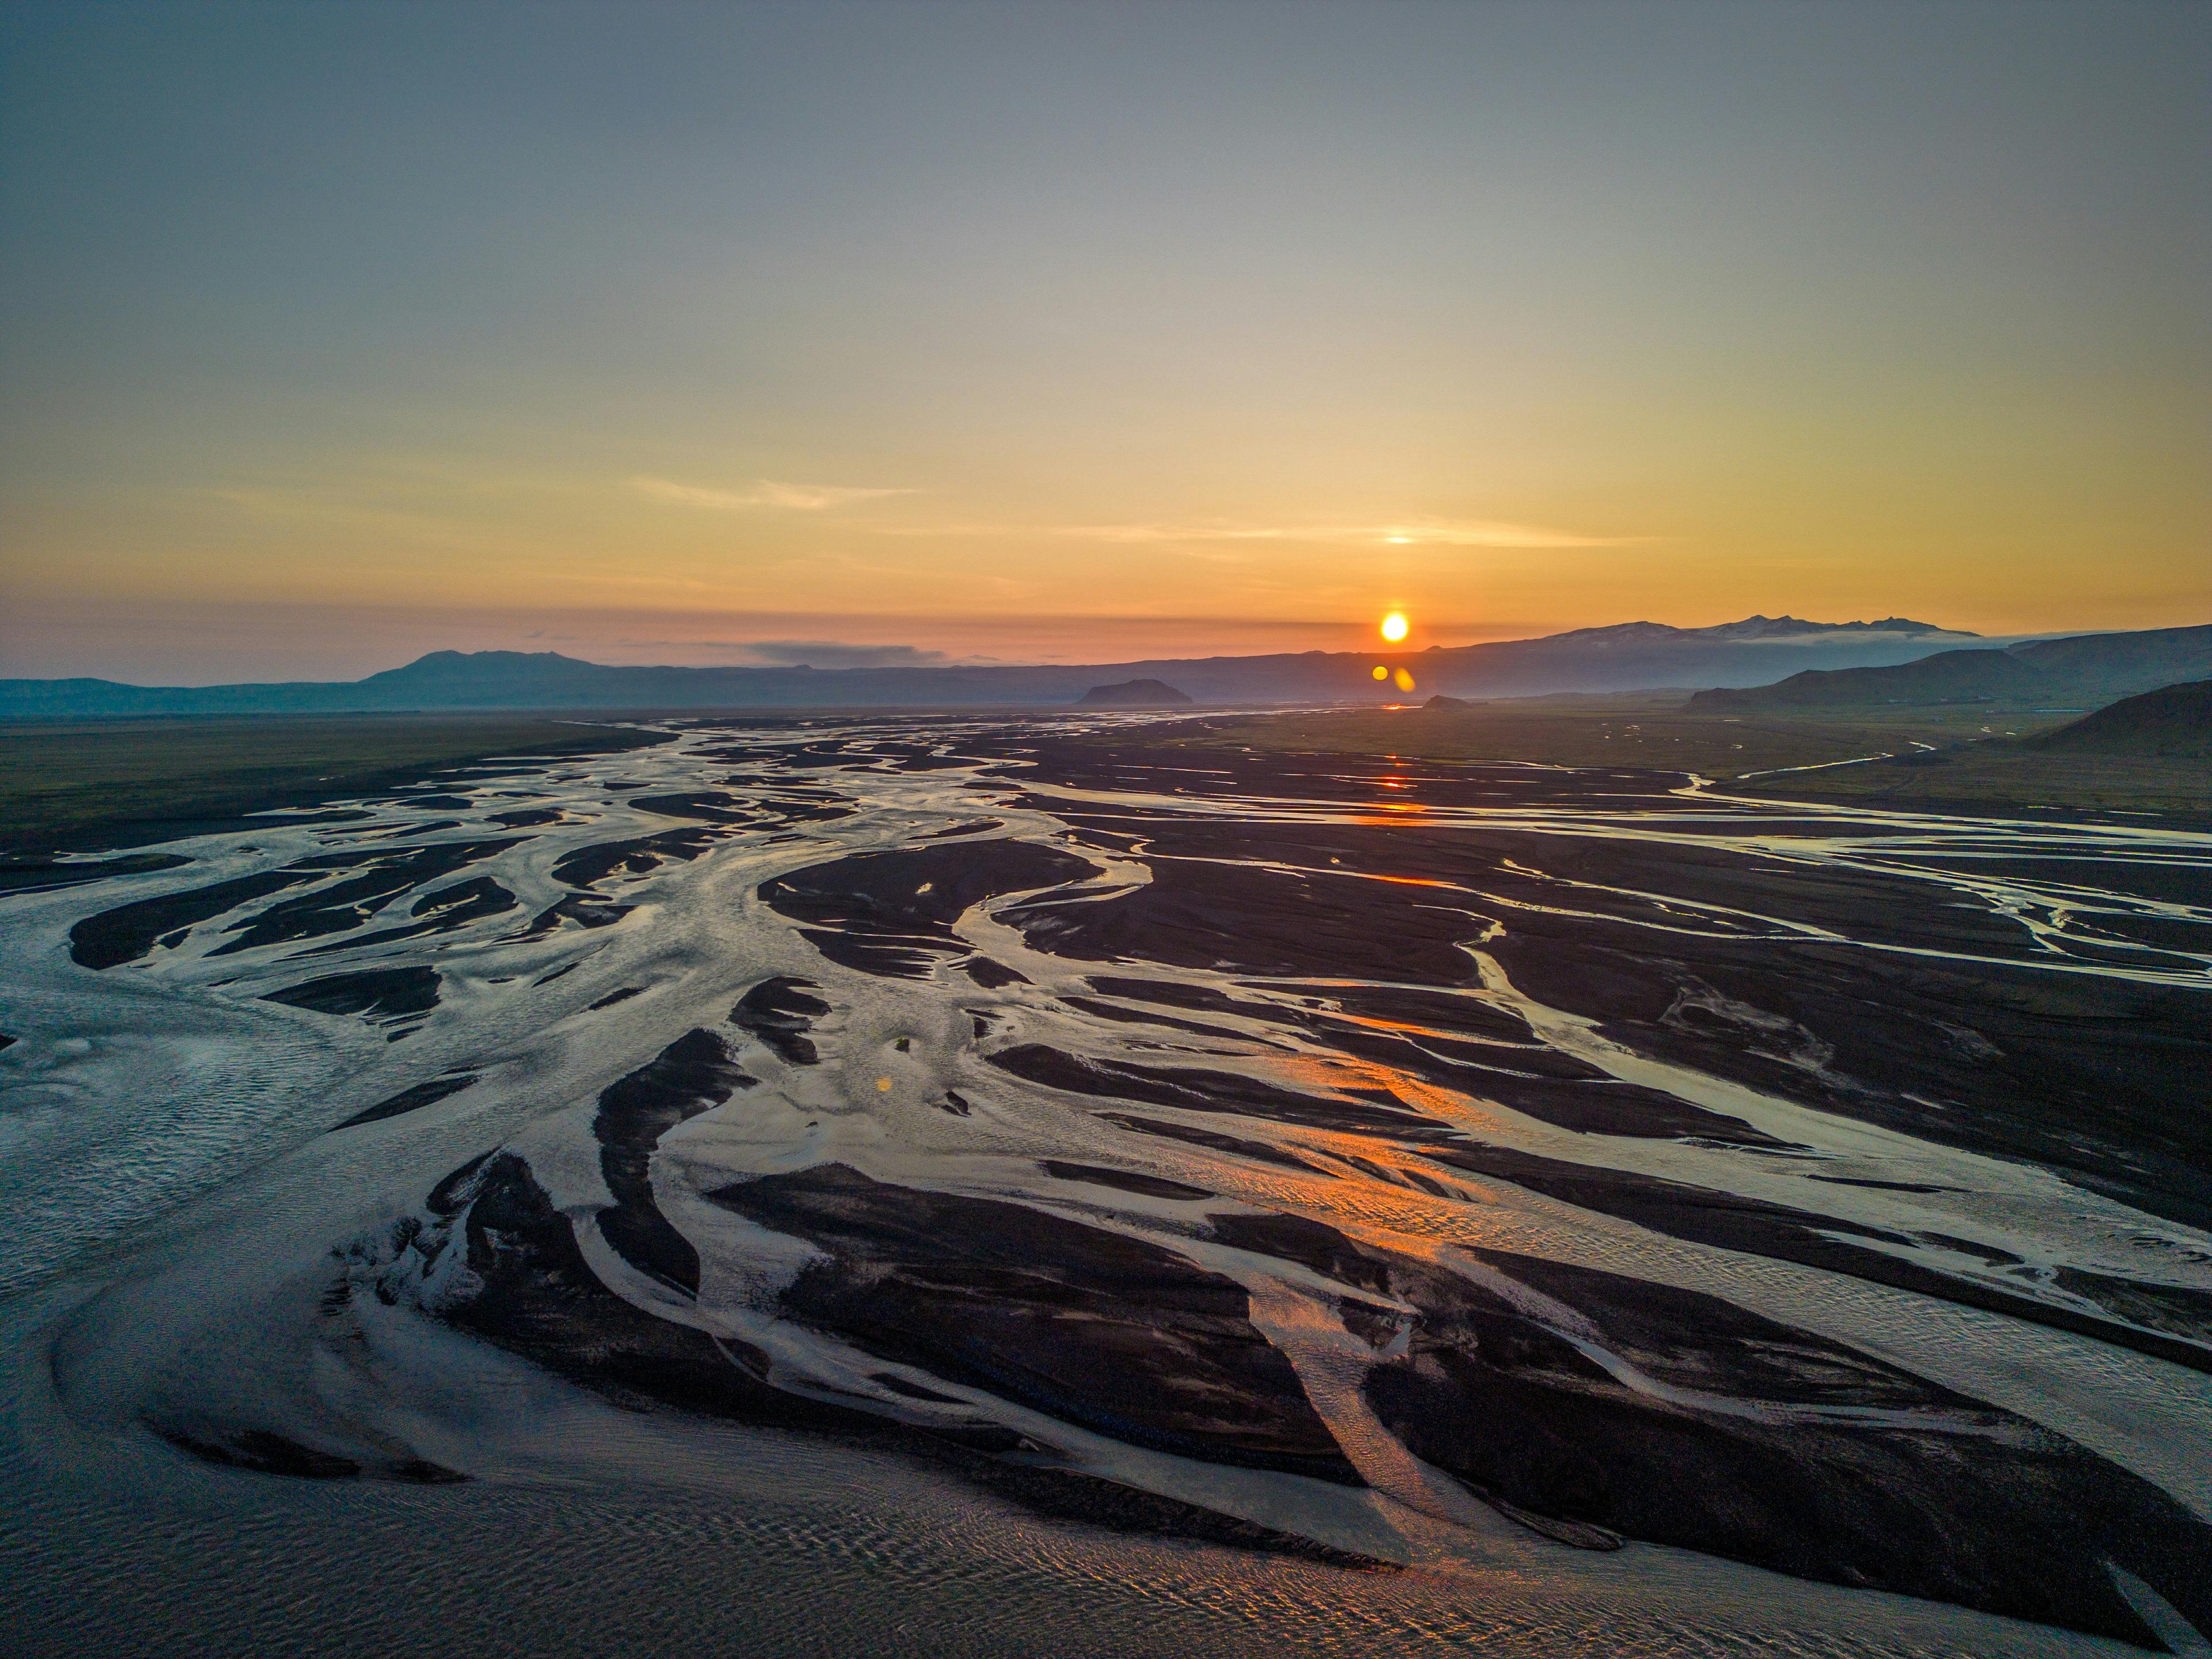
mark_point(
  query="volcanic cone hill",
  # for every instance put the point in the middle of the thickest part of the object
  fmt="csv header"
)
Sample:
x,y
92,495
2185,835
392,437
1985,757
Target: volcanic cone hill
x,y
1133,694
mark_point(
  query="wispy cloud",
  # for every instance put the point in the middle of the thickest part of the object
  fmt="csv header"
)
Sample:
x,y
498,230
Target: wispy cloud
x,y
765,492
1415,532
793,653
1410,533
835,654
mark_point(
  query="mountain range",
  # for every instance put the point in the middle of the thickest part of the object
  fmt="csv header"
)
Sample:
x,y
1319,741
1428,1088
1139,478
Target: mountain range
x,y
1632,656
2086,671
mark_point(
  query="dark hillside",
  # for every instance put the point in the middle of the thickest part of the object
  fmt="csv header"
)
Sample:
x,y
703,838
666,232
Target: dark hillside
x,y
2174,722
1133,694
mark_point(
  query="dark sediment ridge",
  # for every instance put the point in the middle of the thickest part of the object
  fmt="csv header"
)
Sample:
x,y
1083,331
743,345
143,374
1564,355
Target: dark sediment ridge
x,y
129,931
585,909
1261,921
2172,1323
1213,1140
1196,1090
443,910
691,1075
1761,1443
1127,1181
780,1011
409,1100
707,805
1110,1332
1746,1437
534,1295
890,913
377,992
2082,1076
587,866
1826,986
264,1451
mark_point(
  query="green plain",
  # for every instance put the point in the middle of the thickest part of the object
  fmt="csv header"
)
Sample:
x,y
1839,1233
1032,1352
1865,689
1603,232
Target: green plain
x,y
80,784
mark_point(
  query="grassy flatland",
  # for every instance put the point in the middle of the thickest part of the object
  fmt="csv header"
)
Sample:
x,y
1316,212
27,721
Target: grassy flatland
x,y
2005,777
1944,759
1646,732
67,784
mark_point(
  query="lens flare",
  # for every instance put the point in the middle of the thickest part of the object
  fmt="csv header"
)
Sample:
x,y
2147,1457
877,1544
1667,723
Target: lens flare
x,y
1381,672
1393,626
1405,680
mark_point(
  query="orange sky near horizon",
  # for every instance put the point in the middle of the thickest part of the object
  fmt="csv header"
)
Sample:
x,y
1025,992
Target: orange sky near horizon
x,y
992,332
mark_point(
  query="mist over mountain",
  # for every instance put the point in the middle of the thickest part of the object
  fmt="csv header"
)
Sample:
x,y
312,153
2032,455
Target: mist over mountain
x,y
1630,656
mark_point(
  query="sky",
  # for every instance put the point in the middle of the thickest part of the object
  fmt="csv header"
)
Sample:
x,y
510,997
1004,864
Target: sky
x,y
334,333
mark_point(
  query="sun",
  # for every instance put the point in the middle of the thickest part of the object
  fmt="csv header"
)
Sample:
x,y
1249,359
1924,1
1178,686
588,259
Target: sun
x,y
1394,627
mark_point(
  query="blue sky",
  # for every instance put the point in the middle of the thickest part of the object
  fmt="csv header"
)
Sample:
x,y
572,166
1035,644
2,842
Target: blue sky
x,y
331,333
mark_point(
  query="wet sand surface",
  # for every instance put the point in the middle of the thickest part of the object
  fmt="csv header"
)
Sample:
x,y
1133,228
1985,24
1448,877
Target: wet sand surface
x,y
994,1186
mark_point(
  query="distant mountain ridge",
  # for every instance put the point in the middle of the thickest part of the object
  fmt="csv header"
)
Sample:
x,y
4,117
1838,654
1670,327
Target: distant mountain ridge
x,y
1629,656
1762,628
2084,670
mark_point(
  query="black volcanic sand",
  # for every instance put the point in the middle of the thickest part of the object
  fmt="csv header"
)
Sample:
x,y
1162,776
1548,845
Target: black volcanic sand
x,y
1259,1151
1127,1181
1197,1090
2099,1079
1114,1332
2178,1320
2096,1078
386,992
691,1075
641,855
1261,921
1584,1403
707,805
1587,1405
534,1295
129,931
585,909
1743,1438
780,1011
1116,1012
442,910
892,913
1528,1076
266,1452
409,1100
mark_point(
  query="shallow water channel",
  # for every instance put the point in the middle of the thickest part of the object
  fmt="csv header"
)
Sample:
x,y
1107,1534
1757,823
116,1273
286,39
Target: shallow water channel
x,y
960,1186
